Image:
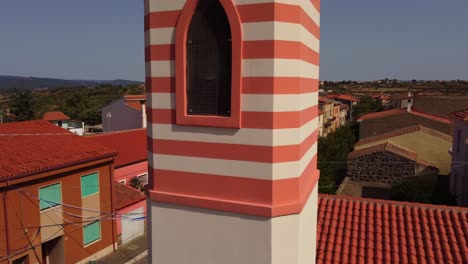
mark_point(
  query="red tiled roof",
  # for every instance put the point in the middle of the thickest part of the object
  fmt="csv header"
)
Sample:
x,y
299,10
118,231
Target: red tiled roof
x,y
381,114
39,146
55,116
462,115
134,100
130,145
400,96
346,97
126,195
357,230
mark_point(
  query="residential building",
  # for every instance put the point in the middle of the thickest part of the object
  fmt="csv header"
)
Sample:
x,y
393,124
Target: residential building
x,y
459,151
374,124
223,188
402,100
320,123
400,154
130,205
347,99
126,113
383,99
57,195
332,112
61,120
131,160
344,110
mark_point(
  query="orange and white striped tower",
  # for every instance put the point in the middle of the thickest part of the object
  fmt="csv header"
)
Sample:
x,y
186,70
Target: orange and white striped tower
x,y
240,187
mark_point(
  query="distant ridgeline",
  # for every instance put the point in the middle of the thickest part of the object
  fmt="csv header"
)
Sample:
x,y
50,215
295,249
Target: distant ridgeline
x,y
12,82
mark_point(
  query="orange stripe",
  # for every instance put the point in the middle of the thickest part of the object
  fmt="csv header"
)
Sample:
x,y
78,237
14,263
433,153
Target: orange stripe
x,y
261,120
316,3
234,194
278,12
250,85
251,153
279,49
279,85
161,19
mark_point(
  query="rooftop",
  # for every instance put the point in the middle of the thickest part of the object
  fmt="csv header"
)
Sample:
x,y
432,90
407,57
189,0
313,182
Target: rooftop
x,y
55,116
461,115
38,146
387,121
134,101
126,195
346,97
130,145
420,144
440,105
358,230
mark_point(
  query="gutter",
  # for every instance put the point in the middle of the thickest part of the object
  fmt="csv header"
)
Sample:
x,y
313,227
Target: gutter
x,y
58,167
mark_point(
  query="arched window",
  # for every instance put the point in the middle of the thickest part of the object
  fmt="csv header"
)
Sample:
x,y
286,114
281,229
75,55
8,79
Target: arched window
x,y
208,64
208,70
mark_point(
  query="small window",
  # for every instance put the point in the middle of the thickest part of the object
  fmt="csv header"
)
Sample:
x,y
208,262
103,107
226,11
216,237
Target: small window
x,y
209,61
50,196
91,232
89,184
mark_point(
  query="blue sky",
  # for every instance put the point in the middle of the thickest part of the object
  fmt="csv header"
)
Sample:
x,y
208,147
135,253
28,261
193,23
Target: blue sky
x,y
361,39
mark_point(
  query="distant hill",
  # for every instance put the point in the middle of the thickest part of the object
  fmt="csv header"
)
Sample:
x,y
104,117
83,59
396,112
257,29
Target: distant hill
x,y
8,82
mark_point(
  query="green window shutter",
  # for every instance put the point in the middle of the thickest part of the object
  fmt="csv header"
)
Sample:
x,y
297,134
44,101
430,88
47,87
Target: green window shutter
x,y
91,232
50,196
89,184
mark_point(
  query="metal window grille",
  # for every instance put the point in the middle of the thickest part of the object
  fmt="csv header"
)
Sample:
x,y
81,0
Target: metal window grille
x,y
209,61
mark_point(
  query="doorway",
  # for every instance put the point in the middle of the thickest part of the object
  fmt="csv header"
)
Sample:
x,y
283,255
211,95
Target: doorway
x,y
53,251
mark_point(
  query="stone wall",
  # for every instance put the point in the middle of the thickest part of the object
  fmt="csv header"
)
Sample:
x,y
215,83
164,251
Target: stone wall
x,y
380,167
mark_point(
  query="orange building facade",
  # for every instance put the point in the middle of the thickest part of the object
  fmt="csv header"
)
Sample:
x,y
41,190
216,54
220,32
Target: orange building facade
x,y
239,186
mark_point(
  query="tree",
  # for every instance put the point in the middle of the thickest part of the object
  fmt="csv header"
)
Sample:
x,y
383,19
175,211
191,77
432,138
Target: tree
x,y
21,106
332,157
137,183
367,105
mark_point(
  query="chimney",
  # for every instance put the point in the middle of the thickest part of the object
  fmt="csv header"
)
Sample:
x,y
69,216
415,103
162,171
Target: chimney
x,y
409,104
233,160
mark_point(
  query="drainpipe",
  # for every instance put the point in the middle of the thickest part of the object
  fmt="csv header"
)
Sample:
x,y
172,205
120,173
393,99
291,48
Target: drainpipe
x,y
6,221
111,179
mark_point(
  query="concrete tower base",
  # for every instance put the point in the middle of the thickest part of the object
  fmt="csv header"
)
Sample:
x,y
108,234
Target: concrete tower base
x,y
182,235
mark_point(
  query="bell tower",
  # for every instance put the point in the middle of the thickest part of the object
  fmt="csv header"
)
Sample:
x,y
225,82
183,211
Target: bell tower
x,y
232,105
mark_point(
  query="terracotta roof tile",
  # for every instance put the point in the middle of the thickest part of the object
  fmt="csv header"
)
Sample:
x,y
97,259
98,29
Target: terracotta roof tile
x,y
346,97
134,101
381,114
461,115
357,230
38,146
55,116
130,145
126,195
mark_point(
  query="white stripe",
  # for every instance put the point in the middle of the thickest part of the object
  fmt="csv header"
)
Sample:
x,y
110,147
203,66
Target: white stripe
x,y
160,36
250,102
306,5
163,5
160,69
273,30
235,168
245,136
252,31
250,68
279,68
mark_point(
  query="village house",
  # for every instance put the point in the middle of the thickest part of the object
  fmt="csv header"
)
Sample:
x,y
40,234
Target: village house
x,y
459,151
401,100
332,113
57,195
126,113
61,120
131,160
